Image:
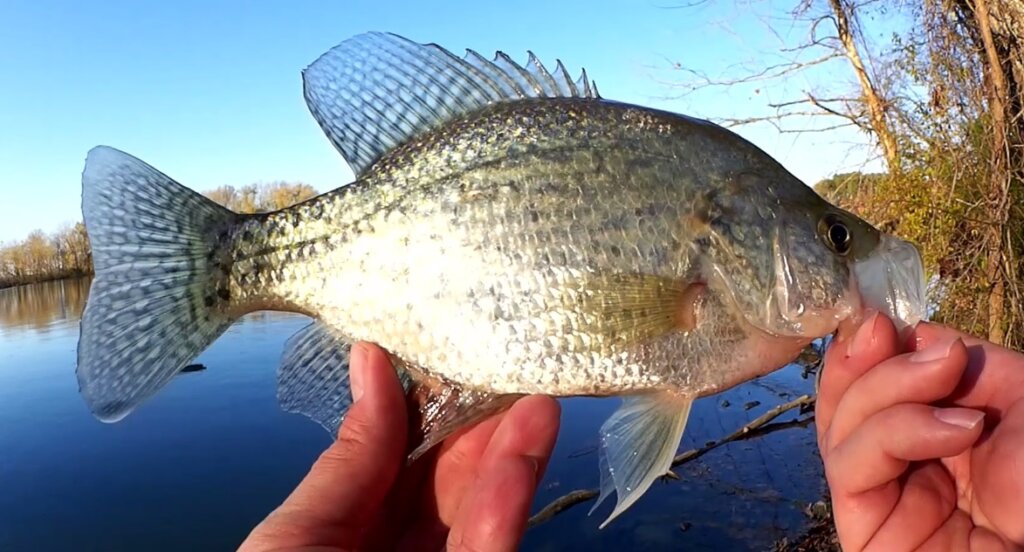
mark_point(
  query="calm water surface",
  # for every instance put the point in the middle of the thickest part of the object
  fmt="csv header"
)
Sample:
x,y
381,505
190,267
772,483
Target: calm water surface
x,y
199,465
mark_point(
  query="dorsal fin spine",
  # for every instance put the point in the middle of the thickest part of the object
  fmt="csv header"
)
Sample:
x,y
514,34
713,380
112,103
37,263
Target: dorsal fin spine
x,y
566,79
376,91
543,78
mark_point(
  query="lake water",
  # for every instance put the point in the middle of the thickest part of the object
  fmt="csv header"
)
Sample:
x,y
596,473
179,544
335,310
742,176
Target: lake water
x,y
199,465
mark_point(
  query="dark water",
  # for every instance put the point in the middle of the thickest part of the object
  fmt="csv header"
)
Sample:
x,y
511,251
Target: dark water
x,y
199,465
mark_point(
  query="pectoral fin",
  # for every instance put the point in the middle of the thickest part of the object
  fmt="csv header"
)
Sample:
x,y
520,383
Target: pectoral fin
x,y
638,444
312,379
626,309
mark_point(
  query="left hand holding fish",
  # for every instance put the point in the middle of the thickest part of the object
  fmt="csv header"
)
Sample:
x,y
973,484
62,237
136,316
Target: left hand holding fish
x,y
473,494
922,446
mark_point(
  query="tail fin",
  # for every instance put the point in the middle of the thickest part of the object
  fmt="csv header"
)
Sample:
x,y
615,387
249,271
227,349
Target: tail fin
x,y
159,296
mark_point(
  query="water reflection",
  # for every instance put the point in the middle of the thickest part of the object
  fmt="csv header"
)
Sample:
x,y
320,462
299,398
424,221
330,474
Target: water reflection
x,y
215,444
39,306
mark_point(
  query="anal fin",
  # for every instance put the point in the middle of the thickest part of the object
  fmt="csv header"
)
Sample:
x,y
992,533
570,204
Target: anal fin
x,y
437,409
638,443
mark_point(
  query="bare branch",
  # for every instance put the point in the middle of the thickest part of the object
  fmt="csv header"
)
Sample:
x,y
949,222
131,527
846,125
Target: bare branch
x,y
757,427
771,72
818,129
809,99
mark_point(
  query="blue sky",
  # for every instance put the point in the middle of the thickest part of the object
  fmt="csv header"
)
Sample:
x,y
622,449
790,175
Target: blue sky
x,y
210,92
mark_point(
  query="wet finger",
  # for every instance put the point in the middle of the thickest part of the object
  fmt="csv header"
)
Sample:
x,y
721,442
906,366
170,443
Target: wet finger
x,y
954,534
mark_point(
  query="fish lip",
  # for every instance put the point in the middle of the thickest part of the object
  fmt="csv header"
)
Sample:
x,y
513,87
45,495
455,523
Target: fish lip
x,y
891,281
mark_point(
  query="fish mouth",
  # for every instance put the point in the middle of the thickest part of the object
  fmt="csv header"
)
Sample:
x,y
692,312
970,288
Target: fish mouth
x,y
891,281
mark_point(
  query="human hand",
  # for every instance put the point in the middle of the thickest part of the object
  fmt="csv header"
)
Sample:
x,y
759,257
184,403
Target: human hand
x,y
923,445
473,492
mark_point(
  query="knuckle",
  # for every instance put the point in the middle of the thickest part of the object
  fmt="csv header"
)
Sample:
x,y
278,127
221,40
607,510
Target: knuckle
x,y
355,437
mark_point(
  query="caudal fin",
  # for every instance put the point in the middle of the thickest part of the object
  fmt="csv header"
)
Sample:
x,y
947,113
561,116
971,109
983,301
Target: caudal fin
x,y
160,293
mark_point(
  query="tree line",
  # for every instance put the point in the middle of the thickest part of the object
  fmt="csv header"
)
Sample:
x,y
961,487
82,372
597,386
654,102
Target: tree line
x,y
66,252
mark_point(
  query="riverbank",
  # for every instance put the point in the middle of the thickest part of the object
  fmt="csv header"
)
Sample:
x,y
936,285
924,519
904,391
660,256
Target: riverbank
x,y
43,278
820,535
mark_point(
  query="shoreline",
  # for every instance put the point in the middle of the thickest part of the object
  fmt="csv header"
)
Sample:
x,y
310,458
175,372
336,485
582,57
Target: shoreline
x,y
42,280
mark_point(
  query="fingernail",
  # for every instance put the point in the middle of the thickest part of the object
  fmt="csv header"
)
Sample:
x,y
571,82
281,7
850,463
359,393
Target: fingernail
x,y
935,351
865,336
965,418
356,365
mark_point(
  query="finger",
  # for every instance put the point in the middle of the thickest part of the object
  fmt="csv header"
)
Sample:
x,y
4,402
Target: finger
x,y
954,534
994,374
926,501
346,485
457,465
997,471
984,540
863,471
453,472
847,359
498,507
881,448
530,430
922,377
494,512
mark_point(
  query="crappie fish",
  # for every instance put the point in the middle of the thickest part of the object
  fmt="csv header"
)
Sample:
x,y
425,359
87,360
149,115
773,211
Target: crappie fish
x,y
508,232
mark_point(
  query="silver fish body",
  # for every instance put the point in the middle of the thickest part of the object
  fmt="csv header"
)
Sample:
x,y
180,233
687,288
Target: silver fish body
x,y
509,232
482,253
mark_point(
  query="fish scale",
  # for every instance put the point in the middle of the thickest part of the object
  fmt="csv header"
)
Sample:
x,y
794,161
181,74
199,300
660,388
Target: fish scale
x,y
594,205
509,232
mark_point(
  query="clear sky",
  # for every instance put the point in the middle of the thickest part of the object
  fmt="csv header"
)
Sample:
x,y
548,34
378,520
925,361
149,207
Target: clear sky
x,y
210,93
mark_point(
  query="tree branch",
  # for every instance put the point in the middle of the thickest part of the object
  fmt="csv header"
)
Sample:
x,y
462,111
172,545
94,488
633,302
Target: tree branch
x,y
757,427
768,73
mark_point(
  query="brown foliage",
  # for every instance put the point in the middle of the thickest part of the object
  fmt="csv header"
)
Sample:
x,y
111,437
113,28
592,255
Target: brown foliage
x,y
259,198
46,257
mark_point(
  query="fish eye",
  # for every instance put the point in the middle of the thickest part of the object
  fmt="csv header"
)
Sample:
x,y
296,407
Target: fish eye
x,y
837,235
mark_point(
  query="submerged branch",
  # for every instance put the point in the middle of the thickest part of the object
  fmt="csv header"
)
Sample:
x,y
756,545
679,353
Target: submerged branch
x,y
560,504
759,426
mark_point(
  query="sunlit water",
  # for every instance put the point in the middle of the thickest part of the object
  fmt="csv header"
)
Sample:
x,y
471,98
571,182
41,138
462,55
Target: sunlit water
x,y
200,464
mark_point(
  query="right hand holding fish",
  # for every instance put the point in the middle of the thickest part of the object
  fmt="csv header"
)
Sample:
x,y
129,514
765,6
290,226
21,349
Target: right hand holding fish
x,y
473,494
922,444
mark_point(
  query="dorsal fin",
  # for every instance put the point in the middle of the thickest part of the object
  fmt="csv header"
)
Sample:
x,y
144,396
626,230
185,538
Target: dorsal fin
x,y
377,90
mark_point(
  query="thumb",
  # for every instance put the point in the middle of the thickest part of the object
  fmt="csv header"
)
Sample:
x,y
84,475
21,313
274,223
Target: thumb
x,y
346,486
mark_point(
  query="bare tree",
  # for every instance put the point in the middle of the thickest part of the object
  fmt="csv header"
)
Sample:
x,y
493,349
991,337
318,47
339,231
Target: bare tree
x,y
832,37
942,103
